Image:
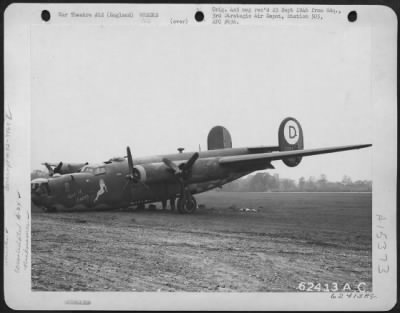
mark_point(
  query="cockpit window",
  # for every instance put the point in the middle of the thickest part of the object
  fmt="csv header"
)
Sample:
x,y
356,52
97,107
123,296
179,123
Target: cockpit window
x,y
94,170
99,170
40,188
88,169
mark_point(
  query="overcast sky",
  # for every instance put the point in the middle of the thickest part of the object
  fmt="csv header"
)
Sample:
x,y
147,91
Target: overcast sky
x,y
97,89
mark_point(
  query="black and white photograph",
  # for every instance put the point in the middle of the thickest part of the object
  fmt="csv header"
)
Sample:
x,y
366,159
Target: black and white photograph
x,y
231,156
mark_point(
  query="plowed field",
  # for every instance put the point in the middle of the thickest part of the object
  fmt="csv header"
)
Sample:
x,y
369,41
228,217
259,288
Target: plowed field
x,y
287,238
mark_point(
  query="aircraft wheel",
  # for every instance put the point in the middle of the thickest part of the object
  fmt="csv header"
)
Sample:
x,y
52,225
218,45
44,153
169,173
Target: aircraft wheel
x,y
179,204
187,206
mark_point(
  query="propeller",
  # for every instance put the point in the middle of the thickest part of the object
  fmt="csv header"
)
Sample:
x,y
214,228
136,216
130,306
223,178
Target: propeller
x,y
55,170
58,168
183,171
130,164
133,175
49,168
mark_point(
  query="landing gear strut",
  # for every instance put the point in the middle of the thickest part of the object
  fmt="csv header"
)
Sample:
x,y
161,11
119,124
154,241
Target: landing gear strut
x,y
172,203
164,204
187,203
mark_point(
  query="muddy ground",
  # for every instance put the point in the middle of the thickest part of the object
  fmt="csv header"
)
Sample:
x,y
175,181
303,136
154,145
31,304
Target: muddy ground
x,y
291,238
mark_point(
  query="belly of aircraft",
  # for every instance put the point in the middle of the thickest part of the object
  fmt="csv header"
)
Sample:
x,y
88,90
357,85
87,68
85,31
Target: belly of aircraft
x,y
158,192
105,198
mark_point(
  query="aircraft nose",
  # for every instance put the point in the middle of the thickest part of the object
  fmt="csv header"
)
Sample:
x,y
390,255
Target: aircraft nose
x,y
35,199
40,200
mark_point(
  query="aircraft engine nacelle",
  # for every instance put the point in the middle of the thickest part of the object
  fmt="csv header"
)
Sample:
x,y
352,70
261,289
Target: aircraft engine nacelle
x,y
152,173
139,173
290,136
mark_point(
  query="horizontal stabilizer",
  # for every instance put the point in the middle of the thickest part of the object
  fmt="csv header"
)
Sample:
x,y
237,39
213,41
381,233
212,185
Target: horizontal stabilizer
x,y
284,154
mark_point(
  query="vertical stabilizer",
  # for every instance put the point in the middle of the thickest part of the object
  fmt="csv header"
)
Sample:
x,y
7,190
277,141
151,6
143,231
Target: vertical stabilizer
x,y
290,138
219,138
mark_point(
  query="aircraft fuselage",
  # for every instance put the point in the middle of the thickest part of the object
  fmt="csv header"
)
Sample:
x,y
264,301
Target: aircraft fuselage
x,y
106,184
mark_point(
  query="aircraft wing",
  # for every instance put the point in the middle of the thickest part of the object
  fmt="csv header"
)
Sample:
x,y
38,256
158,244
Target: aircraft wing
x,y
272,156
263,149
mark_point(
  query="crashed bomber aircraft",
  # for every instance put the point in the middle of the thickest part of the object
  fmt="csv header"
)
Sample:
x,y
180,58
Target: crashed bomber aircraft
x,y
122,182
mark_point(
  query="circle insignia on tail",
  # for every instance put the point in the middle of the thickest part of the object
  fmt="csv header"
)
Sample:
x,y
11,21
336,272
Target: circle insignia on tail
x,y
290,136
291,132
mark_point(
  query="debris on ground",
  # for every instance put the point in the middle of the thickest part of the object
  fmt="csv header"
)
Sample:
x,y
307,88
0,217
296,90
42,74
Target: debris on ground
x,y
247,210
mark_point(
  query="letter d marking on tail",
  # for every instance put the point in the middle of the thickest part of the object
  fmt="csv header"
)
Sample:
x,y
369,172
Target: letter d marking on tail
x,y
292,132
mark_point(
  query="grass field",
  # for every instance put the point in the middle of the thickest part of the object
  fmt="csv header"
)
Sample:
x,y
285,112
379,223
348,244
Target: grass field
x,y
291,238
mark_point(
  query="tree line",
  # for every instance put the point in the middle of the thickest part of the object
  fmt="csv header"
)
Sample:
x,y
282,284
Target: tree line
x,y
265,182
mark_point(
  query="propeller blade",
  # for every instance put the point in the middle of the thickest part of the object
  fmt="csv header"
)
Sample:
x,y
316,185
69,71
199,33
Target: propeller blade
x,y
144,185
131,181
171,165
49,168
130,160
188,165
126,185
131,176
58,168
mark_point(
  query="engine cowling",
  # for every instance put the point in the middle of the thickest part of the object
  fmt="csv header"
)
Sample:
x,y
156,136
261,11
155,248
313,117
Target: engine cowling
x,y
160,173
139,172
152,173
290,137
